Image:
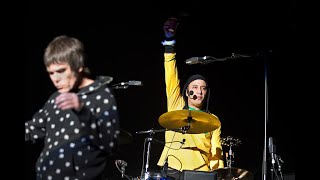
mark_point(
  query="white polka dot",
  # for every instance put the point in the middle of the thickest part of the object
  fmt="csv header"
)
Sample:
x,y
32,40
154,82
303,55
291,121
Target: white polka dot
x,y
47,153
48,119
76,130
79,153
98,97
61,150
91,109
76,168
48,140
55,106
62,130
43,129
91,88
93,126
57,112
49,177
114,120
44,168
58,171
101,147
111,144
66,178
84,174
114,107
84,97
61,119
55,143
34,120
32,127
91,137
52,101
98,110
83,124
108,124
57,133
41,160
72,145
40,110
27,131
86,161
50,162
66,136
61,156
52,126
40,120
88,103
100,135
50,146
71,123
83,139
35,136
107,89
106,101
68,164
106,113
67,115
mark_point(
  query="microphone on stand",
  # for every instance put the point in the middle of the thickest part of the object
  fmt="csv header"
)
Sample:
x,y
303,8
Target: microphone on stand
x,y
125,85
198,60
123,165
272,150
132,83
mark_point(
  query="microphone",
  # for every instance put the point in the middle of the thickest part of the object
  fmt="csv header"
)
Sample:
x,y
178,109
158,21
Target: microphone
x,y
132,83
197,60
123,165
125,85
191,93
272,150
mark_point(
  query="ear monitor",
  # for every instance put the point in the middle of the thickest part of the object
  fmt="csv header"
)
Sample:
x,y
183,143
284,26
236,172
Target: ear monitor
x,y
191,93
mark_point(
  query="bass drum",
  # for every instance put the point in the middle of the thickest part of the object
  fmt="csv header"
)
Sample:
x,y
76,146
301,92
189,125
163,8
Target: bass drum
x,y
230,173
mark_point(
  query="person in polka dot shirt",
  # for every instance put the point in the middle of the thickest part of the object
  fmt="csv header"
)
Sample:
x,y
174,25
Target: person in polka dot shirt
x,y
79,123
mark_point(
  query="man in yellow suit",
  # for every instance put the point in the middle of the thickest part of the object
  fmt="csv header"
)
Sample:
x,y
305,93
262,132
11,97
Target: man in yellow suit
x,y
201,151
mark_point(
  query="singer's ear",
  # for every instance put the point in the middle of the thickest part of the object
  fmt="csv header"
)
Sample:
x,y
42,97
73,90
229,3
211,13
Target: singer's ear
x,y
187,93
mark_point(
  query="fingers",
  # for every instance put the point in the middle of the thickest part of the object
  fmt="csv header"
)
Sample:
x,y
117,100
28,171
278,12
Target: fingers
x,y
67,101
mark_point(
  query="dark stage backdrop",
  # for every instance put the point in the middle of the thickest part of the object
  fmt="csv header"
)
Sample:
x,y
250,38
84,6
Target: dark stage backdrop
x,y
124,42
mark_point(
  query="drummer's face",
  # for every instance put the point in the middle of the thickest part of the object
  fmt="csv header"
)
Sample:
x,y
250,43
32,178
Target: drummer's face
x,y
199,88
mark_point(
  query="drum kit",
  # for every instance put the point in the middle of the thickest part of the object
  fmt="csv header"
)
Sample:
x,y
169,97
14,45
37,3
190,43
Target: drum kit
x,y
190,122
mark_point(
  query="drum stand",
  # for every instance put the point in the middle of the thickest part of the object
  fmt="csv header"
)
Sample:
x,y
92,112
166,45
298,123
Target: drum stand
x,y
230,141
145,173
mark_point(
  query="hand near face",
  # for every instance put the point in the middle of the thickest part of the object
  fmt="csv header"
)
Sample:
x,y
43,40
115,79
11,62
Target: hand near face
x,y
170,27
68,101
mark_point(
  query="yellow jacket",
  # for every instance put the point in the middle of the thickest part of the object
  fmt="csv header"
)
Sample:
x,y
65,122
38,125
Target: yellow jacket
x,y
201,152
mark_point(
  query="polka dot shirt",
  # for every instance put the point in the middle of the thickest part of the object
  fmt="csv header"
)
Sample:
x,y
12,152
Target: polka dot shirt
x,y
76,144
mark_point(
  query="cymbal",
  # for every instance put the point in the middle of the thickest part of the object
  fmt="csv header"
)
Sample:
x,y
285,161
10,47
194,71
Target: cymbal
x,y
124,137
230,173
192,121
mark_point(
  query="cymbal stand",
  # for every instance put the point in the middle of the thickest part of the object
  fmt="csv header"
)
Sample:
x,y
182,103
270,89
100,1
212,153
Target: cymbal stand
x,y
184,129
230,141
149,139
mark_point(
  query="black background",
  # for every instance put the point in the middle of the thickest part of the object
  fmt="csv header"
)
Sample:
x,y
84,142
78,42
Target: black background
x,y
123,41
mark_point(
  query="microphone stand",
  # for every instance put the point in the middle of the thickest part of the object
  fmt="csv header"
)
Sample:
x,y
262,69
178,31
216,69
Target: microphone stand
x,y
211,59
264,161
149,139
